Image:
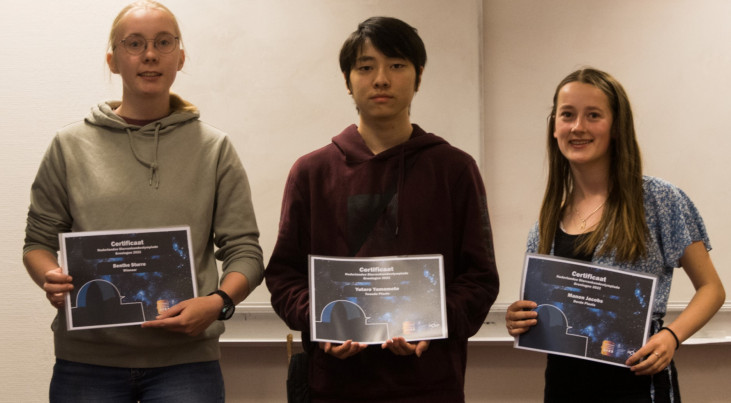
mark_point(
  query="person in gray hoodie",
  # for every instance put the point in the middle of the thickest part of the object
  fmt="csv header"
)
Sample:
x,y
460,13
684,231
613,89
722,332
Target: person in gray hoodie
x,y
146,161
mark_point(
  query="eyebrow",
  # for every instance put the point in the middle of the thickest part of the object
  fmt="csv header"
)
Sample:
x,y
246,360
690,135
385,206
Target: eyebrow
x,y
365,59
156,35
570,106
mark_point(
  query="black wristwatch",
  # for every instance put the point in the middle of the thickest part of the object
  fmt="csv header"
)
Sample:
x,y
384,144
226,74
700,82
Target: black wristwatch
x,y
228,305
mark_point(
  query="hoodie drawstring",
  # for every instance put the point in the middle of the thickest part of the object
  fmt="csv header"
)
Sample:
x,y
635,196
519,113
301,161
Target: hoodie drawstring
x,y
151,165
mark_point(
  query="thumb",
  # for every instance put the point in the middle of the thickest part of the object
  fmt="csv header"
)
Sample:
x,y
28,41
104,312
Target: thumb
x,y
421,347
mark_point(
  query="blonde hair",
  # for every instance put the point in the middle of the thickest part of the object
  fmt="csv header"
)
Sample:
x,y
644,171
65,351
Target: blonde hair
x,y
141,4
624,216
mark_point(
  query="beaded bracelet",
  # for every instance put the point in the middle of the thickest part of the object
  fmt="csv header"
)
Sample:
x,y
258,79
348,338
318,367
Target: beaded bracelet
x,y
677,342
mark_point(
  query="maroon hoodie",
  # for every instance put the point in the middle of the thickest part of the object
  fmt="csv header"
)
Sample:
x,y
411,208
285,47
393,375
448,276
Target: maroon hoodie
x,y
421,197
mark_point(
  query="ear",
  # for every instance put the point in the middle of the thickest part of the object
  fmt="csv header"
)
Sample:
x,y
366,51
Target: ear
x,y
345,77
418,78
181,60
112,64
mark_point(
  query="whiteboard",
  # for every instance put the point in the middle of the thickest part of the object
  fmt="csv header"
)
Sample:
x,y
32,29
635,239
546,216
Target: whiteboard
x,y
264,71
273,81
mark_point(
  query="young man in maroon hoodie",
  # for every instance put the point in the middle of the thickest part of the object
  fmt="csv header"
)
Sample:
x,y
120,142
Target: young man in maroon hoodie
x,y
383,188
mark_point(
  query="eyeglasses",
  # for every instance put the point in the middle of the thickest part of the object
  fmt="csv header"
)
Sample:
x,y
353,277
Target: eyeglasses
x,y
136,44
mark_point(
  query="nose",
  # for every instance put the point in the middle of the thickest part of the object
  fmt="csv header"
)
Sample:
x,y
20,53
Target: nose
x,y
151,53
578,125
382,79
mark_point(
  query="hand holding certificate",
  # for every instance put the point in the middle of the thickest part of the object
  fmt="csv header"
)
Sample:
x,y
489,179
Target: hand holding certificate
x,y
586,310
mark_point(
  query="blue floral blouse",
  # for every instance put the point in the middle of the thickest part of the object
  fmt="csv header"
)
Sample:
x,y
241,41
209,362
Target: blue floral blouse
x,y
673,222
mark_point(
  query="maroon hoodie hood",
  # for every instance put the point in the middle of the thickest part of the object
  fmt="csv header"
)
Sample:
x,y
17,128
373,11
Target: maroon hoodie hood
x,y
369,212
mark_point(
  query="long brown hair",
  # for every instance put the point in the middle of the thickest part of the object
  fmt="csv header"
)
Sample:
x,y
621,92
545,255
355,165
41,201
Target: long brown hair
x,y
623,219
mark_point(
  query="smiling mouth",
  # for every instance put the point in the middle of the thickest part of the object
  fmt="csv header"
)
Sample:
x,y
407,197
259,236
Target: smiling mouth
x,y
580,142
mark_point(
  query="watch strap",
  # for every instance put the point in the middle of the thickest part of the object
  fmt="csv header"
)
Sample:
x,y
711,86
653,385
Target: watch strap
x,y
228,305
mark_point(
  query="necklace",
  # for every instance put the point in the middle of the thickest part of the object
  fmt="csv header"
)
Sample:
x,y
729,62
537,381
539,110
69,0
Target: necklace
x,y
583,220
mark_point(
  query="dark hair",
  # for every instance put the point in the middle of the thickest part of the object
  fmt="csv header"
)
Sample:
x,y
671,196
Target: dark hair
x,y
391,36
624,215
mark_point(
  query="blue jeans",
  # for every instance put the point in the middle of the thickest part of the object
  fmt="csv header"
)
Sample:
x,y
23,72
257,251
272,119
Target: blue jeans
x,y
186,383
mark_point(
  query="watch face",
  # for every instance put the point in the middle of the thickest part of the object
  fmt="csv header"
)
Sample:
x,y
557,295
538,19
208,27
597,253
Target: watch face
x,y
228,305
227,312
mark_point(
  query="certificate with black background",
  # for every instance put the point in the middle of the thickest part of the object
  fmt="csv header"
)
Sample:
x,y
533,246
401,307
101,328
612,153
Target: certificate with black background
x,y
126,277
371,300
585,310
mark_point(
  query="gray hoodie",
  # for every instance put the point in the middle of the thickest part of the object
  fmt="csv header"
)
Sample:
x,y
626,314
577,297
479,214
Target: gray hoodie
x,y
105,174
